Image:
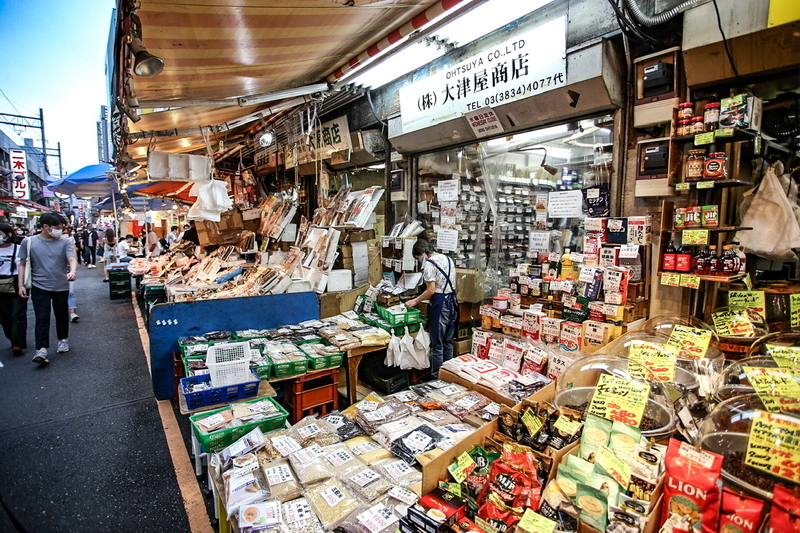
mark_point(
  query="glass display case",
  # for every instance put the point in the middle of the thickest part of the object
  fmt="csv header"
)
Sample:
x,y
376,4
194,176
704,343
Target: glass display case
x,y
494,204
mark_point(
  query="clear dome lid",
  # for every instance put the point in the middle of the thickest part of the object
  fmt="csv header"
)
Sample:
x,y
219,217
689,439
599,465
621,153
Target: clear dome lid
x,y
665,324
738,322
577,385
783,344
734,380
726,431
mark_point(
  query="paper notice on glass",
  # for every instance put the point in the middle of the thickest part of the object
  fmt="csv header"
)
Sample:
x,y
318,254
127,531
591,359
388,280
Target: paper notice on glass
x,y
409,263
422,207
539,241
447,217
447,239
565,204
360,263
448,190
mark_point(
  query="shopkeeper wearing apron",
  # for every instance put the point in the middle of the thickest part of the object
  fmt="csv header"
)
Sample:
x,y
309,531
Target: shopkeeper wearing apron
x,y
439,275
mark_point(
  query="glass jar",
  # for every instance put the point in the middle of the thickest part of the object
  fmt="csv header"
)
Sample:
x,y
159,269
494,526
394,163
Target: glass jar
x,y
694,165
685,110
698,126
715,166
682,128
711,116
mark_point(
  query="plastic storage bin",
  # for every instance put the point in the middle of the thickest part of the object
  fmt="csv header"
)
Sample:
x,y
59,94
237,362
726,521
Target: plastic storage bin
x,y
214,441
398,319
228,363
215,395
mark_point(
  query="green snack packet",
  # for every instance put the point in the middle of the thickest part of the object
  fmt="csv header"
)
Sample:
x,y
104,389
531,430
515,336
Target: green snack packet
x,y
594,506
624,438
606,484
584,468
596,432
568,479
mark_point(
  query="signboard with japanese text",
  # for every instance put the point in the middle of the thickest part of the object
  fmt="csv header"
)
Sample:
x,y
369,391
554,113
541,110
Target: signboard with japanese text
x,y
19,166
530,63
326,138
484,122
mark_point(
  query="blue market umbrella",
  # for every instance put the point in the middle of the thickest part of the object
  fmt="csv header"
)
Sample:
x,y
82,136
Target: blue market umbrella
x,y
89,181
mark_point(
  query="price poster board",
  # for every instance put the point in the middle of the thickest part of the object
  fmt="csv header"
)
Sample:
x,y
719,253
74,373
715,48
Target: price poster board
x,y
732,324
652,361
694,237
672,280
754,300
778,388
774,445
692,342
619,400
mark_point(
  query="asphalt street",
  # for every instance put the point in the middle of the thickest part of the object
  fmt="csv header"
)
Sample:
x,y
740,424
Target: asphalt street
x,y
82,447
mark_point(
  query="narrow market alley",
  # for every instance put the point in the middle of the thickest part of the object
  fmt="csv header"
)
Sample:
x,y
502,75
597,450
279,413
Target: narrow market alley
x,y
82,445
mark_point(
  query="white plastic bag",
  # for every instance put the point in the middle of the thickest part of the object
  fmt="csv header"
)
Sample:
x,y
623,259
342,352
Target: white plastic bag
x,y
413,357
775,229
422,344
393,351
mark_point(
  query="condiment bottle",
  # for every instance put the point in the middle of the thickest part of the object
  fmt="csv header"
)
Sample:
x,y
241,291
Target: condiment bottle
x,y
700,263
714,263
683,260
697,125
566,271
711,116
694,165
685,110
668,259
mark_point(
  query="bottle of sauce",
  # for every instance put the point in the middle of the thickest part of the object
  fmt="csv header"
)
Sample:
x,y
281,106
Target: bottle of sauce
x,y
714,263
566,269
700,263
730,261
683,260
668,259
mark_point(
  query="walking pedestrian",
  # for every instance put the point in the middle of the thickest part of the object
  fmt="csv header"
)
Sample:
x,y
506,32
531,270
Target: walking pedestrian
x,y
72,303
13,308
439,275
90,240
53,266
76,236
109,251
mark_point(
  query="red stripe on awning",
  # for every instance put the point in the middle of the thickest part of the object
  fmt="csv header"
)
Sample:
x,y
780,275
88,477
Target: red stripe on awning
x,y
419,21
373,50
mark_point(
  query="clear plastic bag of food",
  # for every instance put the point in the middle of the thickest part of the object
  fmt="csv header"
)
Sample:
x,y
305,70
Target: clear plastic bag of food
x,y
298,517
366,483
346,428
340,458
396,429
310,466
312,430
461,406
398,472
279,444
370,519
243,483
332,502
420,440
281,480
399,499
371,418
368,450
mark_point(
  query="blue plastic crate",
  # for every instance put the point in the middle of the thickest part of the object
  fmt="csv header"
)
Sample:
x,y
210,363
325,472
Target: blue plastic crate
x,y
206,397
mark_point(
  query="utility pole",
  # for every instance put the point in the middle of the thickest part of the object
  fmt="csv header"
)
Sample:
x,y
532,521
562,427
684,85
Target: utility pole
x,y
22,121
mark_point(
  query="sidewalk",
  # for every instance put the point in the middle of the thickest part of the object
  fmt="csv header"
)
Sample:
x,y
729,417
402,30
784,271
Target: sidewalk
x,y
82,447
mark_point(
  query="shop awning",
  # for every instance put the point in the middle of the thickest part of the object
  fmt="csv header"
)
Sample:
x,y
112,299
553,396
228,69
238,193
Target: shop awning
x,y
179,190
11,202
214,49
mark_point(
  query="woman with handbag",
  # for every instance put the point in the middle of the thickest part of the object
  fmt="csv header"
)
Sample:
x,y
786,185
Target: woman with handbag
x,y
13,308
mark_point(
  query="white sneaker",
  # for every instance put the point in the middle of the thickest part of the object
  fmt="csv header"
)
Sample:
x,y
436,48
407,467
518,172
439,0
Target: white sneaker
x,y
63,346
73,317
41,356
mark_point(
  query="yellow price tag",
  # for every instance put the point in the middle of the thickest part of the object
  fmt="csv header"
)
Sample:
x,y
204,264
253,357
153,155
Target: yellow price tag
x,y
452,488
732,324
704,138
694,236
705,184
567,426
614,465
673,280
774,445
683,186
535,523
531,421
754,300
794,310
785,356
773,383
652,361
692,342
619,400
690,281
724,132
462,467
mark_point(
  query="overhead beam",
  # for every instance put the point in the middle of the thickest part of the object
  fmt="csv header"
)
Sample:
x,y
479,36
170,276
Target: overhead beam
x,y
241,101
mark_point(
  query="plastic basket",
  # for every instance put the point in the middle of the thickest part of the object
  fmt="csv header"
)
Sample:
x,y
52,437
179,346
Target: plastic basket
x,y
229,363
215,441
398,319
326,361
289,368
215,395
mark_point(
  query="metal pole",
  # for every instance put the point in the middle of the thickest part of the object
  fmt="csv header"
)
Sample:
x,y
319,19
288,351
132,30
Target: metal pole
x,y
60,168
116,220
44,145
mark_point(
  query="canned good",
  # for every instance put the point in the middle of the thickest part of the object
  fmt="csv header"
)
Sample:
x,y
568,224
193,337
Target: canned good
x,y
711,116
680,217
694,165
500,303
515,301
685,110
715,166
710,216
697,125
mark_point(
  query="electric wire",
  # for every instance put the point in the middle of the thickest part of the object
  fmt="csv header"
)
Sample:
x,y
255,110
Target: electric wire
x,y
725,40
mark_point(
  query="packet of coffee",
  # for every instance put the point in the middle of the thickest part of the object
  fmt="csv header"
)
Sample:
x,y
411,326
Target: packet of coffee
x,y
594,506
596,432
624,438
581,467
646,468
692,486
740,514
783,517
568,480
606,484
623,521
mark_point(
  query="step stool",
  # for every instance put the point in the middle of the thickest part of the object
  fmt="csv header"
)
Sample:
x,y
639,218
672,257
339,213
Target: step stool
x,y
314,393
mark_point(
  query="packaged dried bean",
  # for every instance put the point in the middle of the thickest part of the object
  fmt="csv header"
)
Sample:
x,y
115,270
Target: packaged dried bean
x,y
281,480
332,502
346,428
340,458
312,430
279,444
366,483
438,417
471,401
370,519
366,449
417,441
398,472
310,466
299,518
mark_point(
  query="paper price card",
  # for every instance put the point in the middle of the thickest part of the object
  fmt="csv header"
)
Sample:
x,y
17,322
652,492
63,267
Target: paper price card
x,y
535,523
754,300
531,421
694,236
463,466
794,310
692,342
772,383
731,324
774,445
705,184
785,356
652,361
567,426
452,488
704,138
689,281
673,280
629,251
683,186
619,400
615,466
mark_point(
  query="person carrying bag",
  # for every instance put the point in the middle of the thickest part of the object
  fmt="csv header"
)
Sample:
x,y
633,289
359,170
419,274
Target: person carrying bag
x,y
438,273
13,308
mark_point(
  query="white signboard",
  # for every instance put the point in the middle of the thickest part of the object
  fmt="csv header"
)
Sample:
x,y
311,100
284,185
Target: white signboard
x,y
19,166
447,239
565,204
528,64
484,122
328,137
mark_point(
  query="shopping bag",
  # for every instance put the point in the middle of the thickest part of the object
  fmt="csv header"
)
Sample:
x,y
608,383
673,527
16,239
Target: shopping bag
x,y
422,344
393,351
775,229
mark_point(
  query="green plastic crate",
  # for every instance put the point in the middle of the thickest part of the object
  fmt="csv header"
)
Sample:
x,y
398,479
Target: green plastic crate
x,y
411,316
399,331
219,439
289,368
333,360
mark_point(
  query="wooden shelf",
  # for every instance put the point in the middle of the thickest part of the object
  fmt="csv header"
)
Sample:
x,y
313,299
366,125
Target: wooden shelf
x,y
718,229
717,279
738,136
720,183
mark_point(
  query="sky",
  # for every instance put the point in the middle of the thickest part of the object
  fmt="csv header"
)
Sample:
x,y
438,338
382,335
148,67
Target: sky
x,y
54,58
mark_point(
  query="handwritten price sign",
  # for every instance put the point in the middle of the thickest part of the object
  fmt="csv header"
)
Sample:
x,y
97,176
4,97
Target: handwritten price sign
x,y
652,361
774,445
692,342
733,324
774,386
786,356
619,400
794,309
615,466
750,300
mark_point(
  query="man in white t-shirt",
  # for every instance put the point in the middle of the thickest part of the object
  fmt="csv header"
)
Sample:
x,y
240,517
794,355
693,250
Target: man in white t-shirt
x,y
152,248
122,248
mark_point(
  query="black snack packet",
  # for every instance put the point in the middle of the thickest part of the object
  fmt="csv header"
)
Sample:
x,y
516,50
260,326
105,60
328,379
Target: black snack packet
x,y
598,201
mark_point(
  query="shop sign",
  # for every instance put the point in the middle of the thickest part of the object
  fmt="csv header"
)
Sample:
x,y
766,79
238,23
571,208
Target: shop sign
x,y
484,122
325,139
19,167
530,63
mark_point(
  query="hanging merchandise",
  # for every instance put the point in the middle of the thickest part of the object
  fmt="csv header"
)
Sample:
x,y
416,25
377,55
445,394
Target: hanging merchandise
x,y
212,200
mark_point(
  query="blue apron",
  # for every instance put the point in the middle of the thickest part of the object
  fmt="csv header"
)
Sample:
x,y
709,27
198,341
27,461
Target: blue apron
x,y
440,301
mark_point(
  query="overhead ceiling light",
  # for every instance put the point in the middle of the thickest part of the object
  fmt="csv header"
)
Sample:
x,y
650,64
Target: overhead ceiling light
x,y
145,64
267,138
